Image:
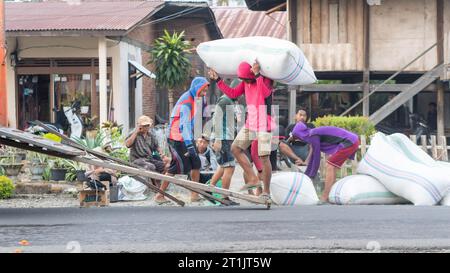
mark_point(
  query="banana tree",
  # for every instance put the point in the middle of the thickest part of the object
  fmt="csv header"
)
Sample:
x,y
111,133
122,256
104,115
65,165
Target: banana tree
x,y
172,66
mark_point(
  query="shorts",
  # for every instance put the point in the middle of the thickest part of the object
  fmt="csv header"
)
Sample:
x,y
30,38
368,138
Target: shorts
x,y
150,164
224,157
205,177
182,164
339,158
245,137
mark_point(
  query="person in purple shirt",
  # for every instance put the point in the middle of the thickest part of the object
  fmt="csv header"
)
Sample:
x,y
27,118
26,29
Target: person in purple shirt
x,y
337,142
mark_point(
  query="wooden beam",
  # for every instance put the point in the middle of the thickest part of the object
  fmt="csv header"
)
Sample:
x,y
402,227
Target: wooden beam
x,y
276,8
334,22
324,22
359,32
68,141
306,21
292,20
440,98
366,74
315,21
351,33
342,21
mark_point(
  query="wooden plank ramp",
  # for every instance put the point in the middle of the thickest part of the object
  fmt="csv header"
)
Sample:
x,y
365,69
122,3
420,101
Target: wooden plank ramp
x,y
72,143
23,140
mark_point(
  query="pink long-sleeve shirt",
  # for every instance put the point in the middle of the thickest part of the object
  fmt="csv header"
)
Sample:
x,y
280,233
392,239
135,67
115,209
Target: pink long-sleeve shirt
x,y
255,94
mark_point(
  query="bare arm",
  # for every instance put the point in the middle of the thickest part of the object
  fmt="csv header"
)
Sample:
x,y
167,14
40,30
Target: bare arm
x,y
130,140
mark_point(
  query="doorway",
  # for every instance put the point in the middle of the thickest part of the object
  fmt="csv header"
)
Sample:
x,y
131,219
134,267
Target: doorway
x,y
33,98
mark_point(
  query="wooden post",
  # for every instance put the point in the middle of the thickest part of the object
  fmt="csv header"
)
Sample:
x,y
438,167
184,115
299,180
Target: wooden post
x,y
413,139
443,143
434,152
292,103
363,145
366,74
355,164
3,91
292,36
440,59
423,141
292,20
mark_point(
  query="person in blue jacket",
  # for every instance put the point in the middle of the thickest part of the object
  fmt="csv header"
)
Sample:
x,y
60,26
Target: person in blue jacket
x,y
181,138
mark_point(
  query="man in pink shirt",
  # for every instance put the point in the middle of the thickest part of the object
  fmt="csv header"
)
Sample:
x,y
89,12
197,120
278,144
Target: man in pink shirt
x,y
259,124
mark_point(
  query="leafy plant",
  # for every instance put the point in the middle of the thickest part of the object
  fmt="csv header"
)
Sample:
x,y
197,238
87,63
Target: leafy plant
x,y
59,163
70,176
91,143
112,127
72,168
6,187
89,122
11,155
46,174
357,124
38,158
169,56
83,99
121,153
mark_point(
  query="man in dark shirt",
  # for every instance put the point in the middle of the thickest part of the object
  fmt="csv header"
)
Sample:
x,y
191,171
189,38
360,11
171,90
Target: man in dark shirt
x,y
144,150
296,149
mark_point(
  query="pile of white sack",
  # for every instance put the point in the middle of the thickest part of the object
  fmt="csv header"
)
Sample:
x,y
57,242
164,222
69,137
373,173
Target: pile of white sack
x,y
395,171
280,60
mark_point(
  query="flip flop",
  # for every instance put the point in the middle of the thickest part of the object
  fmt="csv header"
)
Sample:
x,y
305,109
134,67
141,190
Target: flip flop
x,y
160,202
251,187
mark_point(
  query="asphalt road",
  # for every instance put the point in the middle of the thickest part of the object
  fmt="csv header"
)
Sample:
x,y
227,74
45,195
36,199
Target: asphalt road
x,y
223,229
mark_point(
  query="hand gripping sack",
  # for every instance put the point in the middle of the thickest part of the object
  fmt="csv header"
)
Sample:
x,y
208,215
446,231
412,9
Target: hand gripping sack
x,y
362,189
280,60
292,189
417,182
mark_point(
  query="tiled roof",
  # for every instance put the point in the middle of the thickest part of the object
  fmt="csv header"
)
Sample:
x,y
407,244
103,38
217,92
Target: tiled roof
x,y
241,22
48,16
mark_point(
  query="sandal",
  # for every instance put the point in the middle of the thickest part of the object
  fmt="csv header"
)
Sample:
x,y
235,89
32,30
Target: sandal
x,y
251,186
161,201
265,196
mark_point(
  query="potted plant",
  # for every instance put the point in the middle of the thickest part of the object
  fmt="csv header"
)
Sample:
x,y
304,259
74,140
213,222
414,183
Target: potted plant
x,y
58,169
85,102
38,164
90,126
10,166
76,171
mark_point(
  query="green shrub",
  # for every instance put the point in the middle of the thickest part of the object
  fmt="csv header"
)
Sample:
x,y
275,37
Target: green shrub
x,y
6,187
357,124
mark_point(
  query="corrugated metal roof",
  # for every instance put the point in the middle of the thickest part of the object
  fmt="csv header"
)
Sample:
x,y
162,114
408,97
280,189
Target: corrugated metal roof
x,y
46,16
241,22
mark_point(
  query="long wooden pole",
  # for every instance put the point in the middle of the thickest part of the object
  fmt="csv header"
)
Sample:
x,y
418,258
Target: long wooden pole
x,y
3,91
72,143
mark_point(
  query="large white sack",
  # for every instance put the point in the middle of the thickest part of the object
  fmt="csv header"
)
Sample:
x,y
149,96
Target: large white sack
x,y
362,189
280,60
446,200
130,189
292,188
416,153
419,183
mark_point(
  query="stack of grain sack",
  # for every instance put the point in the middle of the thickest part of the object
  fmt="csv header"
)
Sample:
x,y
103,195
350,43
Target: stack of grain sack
x,y
394,171
281,61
